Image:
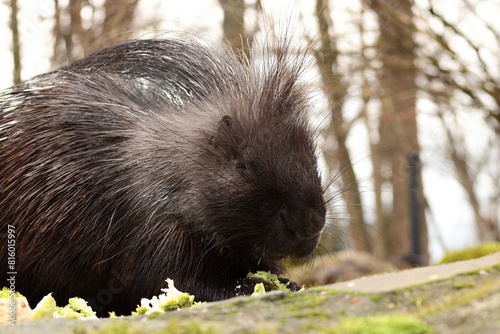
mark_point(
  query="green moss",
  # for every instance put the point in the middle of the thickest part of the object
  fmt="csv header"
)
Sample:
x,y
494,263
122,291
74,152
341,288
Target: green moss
x,y
463,299
260,331
303,302
317,292
173,327
321,315
192,327
79,330
462,285
154,315
308,327
471,253
401,324
236,304
481,271
118,327
492,269
328,292
342,313
376,298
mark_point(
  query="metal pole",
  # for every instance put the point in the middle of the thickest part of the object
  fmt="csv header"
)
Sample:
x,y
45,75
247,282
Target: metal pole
x,y
415,256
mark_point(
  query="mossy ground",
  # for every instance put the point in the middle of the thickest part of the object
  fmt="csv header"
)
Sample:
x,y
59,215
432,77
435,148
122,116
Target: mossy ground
x,y
413,310
391,324
172,327
466,303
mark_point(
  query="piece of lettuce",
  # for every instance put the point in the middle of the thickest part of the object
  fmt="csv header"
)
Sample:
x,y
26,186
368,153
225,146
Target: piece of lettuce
x,y
258,289
7,293
270,279
171,299
45,308
76,309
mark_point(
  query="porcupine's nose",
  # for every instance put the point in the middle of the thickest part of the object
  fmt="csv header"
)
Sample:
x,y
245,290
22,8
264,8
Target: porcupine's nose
x,y
306,225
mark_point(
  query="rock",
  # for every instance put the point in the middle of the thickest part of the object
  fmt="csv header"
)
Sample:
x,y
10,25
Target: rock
x,y
456,298
338,267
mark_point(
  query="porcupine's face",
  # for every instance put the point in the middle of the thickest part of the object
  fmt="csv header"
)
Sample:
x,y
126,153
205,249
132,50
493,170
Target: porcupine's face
x,y
266,199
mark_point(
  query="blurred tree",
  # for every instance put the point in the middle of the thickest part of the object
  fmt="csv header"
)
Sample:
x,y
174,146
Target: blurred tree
x,y
16,47
76,35
337,130
233,25
398,124
466,79
478,80
234,28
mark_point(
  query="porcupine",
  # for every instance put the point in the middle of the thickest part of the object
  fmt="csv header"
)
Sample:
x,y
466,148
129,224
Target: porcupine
x,y
155,159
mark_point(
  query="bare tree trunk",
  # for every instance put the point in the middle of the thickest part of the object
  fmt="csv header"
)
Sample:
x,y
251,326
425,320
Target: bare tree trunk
x,y
382,222
398,127
234,26
118,21
56,32
368,93
80,41
336,91
75,28
16,47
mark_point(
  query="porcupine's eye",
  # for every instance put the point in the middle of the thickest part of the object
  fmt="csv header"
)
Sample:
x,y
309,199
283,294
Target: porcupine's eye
x,y
241,165
242,159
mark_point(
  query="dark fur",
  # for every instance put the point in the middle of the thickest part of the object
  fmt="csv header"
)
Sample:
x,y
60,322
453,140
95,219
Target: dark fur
x,y
156,159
